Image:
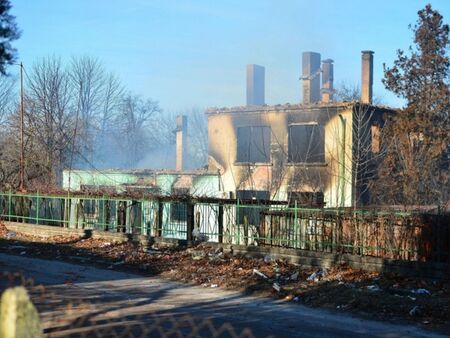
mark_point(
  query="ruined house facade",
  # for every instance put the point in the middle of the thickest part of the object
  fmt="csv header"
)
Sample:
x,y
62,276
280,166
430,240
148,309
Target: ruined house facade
x,y
317,154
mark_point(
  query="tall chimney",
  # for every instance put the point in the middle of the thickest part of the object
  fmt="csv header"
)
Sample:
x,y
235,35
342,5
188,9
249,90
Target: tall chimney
x,y
255,85
181,135
327,80
366,76
311,77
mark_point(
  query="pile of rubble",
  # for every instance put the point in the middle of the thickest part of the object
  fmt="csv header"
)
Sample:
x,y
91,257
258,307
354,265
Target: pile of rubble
x,y
340,288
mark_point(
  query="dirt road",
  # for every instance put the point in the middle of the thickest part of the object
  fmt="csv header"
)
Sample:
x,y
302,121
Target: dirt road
x,y
82,300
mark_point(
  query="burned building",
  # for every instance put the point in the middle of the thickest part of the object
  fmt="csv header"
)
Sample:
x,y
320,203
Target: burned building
x,y
303,153
316,153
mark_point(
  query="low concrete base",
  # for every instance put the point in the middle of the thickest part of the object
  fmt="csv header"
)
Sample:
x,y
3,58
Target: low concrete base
x,y
324,259
303,257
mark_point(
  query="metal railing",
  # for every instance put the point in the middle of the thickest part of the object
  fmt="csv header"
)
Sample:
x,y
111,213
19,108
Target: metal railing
x,y
397,235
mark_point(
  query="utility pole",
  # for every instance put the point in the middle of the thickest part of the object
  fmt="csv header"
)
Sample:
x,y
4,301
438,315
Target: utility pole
x,y
22,146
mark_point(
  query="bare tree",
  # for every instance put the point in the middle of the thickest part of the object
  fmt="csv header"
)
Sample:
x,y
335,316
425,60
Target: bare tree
x,y
345,91
134,123
76,115
88,78
106,121
50,116
112,96
88,81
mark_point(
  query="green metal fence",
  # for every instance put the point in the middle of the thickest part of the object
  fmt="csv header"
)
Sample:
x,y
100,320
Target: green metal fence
x,y
397,235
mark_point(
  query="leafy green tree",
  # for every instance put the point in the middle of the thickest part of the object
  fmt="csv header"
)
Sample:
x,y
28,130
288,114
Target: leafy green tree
x,y
8,33
415,169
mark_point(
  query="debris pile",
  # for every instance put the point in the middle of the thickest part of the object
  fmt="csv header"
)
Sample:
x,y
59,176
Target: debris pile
x,y
341,288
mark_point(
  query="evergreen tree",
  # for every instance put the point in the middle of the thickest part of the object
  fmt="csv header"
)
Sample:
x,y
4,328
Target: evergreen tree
x,y
8,33
415,169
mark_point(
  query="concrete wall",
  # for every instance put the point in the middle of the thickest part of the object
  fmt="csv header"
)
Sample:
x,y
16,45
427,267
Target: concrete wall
x,y
303,257
199,184
117,178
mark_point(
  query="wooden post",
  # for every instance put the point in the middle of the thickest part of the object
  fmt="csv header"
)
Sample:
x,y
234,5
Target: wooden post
x,y
9,205
245,230
37,207
220,223
160,219
190,220
338,234
107,213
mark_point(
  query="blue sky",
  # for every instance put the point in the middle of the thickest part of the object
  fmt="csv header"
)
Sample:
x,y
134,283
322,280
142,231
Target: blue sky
x,y
188,54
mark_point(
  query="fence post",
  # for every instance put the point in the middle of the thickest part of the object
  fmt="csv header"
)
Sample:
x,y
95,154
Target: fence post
x,y
37,207
339,232
190,221
68,207
236,224
9,205
245,230
143,226
103,224
296,227
220,223
22,208
159,224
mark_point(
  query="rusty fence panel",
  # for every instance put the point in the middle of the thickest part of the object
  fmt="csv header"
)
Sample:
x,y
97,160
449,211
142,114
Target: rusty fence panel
x,y
409,236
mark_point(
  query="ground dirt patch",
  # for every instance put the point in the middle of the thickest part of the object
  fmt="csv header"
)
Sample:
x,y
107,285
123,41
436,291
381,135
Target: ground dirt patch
x,y
374,295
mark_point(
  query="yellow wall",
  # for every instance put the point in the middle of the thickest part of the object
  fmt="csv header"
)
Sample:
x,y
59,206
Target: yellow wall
x,y
332,178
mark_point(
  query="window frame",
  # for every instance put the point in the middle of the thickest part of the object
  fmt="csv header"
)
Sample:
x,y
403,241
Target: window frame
x,y
291,160
178,208
248,159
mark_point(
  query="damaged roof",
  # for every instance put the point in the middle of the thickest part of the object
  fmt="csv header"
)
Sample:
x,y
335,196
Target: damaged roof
x,y
290,107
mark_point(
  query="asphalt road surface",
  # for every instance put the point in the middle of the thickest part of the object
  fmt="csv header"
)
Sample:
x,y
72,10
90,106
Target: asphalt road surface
x,y
84,301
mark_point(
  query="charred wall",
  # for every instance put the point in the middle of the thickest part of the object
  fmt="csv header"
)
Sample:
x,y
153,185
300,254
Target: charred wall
x,y
280,175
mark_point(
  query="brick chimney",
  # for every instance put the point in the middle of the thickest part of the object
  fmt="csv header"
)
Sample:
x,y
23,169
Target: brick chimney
x,y
255,85
327,80
366,76
311,77
181,136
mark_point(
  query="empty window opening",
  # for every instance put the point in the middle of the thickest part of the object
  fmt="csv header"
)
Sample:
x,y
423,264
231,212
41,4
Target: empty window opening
x,y
306,198
178,210
253,144
306,143
247,198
